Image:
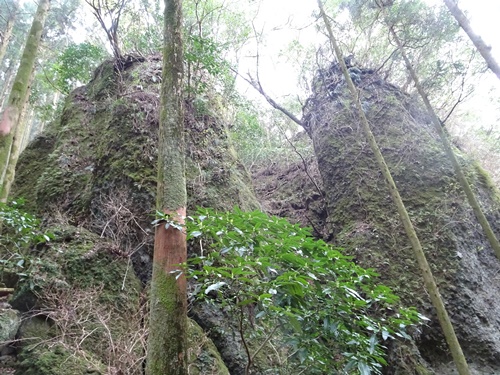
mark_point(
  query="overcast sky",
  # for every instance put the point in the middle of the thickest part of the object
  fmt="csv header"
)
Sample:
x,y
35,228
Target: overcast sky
x,y
279,78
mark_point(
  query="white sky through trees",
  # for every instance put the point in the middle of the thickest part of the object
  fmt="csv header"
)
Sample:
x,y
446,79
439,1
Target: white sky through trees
x,y
283,20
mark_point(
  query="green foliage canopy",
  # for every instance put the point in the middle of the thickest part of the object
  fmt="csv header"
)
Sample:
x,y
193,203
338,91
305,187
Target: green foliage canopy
x,y
75,65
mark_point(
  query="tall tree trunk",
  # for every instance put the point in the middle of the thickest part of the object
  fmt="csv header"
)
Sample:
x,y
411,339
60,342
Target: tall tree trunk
x,y
10,117
21,129
9,76
471,197
167,347
29,129
7,33
481,46
429,281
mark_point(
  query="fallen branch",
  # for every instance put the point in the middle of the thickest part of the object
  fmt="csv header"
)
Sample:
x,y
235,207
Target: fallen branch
x,y
6,291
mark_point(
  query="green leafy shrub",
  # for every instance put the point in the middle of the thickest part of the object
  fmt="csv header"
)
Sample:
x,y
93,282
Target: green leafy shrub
x,y
20,231
283,285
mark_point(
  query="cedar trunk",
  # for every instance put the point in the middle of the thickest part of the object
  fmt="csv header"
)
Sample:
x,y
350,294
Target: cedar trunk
x,y
7,34
21,129
19,92
167,347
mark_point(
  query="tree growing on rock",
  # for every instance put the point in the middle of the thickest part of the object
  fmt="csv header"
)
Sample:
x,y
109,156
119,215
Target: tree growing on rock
x,y
105,11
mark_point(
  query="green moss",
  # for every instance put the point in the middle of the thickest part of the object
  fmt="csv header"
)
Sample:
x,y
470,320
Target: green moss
x,y
203,357
41,355
167,347
485,180
85,275
33,160
42,360
104,82
89,262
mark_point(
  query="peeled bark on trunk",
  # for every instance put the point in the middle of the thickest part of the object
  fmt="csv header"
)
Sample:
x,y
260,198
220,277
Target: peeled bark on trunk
x,y
429,281
12,113
481,46
167,347
7,34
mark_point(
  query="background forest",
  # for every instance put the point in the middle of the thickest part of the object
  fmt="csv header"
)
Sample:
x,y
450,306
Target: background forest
x,y
282,105
284,50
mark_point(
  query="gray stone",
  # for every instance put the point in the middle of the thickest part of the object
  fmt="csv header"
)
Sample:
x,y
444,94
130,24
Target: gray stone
x,y
10,320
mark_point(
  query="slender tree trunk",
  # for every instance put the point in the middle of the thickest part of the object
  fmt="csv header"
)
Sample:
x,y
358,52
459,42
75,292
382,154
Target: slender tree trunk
x,y
429,281
167,346
28,129
481,46
10,117
9,75
471,197
10,169
7,34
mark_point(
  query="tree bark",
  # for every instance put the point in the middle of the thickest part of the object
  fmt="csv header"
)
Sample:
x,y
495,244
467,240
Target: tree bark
x,y
429,281
12,113
7,34
167,347
9,76
481,46
16,148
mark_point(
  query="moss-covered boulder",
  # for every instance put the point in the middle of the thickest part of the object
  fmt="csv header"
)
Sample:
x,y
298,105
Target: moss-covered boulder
x,y
96,165
10,320
91,177
203,356
362,218
84,310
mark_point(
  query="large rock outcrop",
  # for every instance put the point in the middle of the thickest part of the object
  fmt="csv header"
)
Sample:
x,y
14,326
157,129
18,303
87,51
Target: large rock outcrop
x,y
96,165
362,218
91,177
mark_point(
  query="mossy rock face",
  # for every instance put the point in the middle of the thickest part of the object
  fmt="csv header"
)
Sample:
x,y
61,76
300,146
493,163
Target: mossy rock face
x,y
88,309
57,360
363,219
10,321
41,354
96,165
90,313
203,356
91,176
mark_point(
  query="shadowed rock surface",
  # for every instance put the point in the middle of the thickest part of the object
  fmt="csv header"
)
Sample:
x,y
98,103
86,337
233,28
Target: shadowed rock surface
x,y
363,219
